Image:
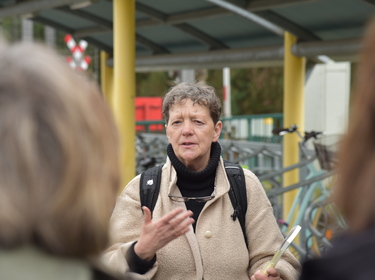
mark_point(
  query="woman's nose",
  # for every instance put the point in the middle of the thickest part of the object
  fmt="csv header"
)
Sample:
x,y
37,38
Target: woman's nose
x,y
187,128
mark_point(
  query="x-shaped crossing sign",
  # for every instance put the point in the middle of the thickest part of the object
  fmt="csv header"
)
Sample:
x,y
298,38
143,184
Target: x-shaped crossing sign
x,y
77,60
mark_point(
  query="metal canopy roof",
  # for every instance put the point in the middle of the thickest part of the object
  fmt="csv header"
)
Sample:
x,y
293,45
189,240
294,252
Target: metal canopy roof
x,y
174,34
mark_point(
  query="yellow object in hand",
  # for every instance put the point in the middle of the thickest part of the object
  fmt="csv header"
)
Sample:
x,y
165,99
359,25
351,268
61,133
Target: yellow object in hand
x,y
287,241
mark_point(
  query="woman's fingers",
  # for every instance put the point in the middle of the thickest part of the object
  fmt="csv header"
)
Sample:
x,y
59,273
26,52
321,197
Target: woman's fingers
x,y
176,221
174,224
182,222
273,274
181,219
156,234
147,218
171,215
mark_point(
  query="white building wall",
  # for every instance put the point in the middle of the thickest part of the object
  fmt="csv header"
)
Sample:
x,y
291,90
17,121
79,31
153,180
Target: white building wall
x,y
327,93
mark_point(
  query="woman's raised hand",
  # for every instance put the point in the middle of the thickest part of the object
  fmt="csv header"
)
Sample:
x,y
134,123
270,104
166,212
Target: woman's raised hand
x,y
156,234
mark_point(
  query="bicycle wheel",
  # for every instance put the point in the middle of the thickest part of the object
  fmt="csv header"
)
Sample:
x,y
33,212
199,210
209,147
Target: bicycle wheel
x,y
323,222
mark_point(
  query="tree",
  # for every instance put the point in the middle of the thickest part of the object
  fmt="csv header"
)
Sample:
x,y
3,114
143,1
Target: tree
x,y
253,90
152,83
257,91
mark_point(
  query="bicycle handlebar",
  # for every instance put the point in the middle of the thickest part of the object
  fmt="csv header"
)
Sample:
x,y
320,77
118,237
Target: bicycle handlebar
x,y
283,131
312,134
294,128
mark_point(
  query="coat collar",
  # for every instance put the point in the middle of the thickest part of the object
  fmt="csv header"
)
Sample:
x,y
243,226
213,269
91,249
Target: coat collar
x,y
221,180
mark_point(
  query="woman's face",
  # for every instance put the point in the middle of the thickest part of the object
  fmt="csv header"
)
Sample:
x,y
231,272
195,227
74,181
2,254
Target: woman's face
x,y
191,130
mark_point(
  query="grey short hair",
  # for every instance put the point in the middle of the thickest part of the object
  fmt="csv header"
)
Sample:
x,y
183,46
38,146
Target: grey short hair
x,y
199,93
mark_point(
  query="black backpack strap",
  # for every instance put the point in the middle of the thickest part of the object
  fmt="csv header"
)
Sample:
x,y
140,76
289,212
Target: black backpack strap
x,y
237,193
149,186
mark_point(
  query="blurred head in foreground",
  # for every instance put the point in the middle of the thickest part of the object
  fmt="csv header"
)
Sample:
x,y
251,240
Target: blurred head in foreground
x,y
59,170
355,191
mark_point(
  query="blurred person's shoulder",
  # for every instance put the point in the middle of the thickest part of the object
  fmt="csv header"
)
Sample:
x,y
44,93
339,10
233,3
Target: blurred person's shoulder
x,y
28,262
104,274
100,271
351,257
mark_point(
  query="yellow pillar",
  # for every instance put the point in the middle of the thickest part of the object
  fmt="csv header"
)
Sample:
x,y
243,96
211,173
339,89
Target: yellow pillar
x,y
124,83
294,80
106,79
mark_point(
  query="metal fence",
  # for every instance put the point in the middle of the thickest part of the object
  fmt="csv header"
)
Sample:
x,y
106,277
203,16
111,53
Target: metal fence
x,y
257,128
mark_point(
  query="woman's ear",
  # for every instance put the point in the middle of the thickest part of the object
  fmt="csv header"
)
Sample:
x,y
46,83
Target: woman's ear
x,y
218,128
166,130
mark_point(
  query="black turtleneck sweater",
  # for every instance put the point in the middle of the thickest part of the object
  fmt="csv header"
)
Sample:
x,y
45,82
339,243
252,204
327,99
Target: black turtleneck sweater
x,y
196,184
190,183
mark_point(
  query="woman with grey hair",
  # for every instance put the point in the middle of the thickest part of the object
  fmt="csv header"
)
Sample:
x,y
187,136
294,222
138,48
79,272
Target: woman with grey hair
x,y
190,234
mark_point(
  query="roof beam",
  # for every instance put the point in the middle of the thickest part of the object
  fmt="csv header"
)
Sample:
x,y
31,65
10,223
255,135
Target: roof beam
x,y
202,37
288,25
71,31
183,17
213,43
30,7
259,5
152,13
103,26
340,50
97,20
249,15
329,48
214,59
269,20
155,48
253,6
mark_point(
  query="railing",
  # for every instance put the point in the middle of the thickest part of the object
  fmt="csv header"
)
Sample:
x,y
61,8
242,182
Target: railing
x,y
260,157
150,126
257,128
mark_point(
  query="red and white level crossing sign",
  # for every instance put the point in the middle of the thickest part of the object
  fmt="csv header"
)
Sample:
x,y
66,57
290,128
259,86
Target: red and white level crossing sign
x,y
77,60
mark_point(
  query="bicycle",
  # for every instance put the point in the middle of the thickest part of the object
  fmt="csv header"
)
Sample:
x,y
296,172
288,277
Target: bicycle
x,y
149,153
310,207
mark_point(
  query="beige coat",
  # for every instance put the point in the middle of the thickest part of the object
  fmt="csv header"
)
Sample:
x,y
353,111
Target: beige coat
x,y
217,250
